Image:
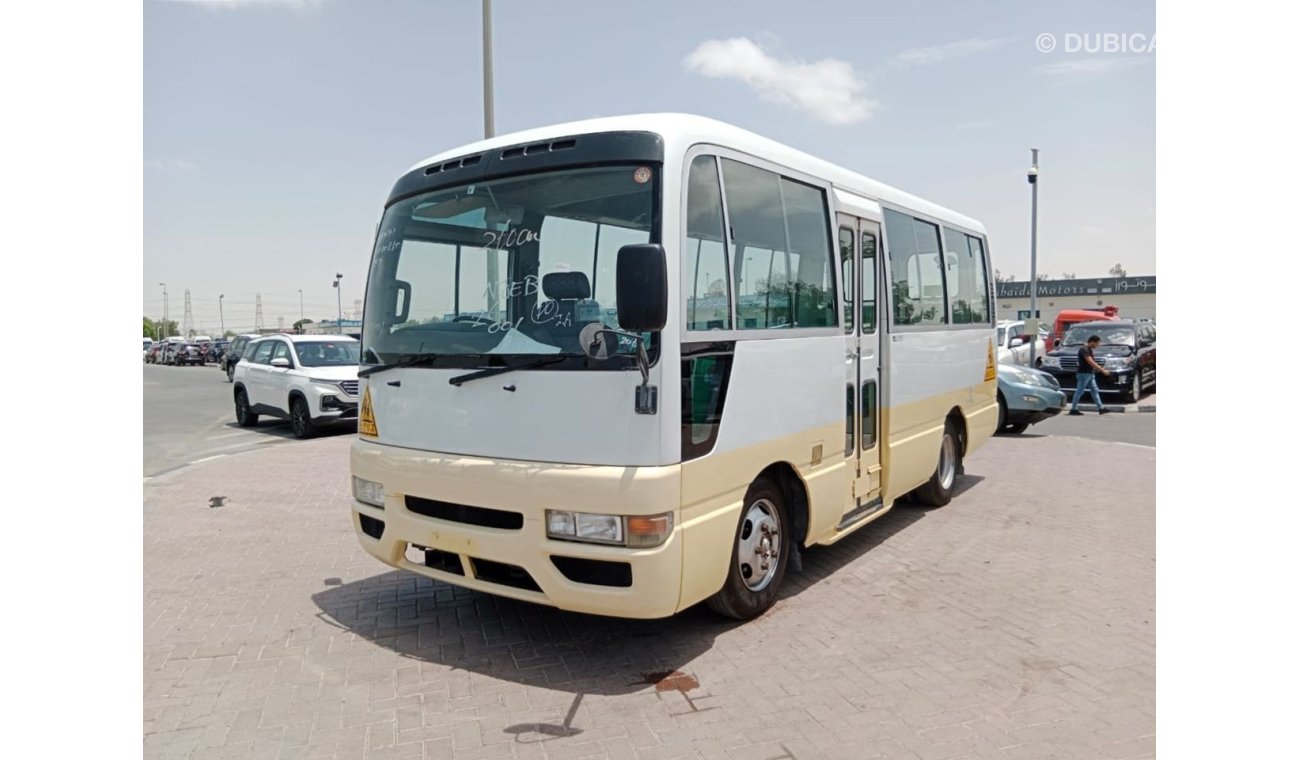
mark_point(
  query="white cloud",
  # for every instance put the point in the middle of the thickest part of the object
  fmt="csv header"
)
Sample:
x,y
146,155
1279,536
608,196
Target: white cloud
x,y
170,165
828,89
1093,66
936,54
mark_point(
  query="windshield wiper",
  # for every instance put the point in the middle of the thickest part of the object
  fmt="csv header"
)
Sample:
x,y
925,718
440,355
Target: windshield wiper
x,y
490,371
409,361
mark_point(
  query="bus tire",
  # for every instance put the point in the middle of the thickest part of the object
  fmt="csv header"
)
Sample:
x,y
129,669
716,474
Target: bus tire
x,y
939,489
758,563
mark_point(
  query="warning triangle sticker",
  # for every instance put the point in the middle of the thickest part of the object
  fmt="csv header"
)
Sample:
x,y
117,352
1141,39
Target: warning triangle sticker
x,y
366,420
990,368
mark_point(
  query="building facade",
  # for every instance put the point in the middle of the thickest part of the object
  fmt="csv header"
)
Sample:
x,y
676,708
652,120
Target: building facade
x,y
333,327
1135,297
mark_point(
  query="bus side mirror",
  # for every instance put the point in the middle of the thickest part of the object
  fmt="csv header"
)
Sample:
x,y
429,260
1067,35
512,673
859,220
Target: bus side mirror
x,y
641,287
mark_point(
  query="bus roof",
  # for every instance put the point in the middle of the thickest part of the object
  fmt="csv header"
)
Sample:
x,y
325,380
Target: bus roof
x,y
680,131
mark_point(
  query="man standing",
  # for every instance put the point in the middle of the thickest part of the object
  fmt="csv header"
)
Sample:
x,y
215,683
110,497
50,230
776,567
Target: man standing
x,y
1086,379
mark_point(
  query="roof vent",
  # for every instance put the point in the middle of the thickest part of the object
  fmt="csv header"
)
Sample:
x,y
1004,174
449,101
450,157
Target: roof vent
x,y
536,148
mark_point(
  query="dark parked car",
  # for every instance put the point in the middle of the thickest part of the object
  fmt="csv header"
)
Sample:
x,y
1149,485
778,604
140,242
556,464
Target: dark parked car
x,y
187,353
169,350
1128,350
230,357
212,351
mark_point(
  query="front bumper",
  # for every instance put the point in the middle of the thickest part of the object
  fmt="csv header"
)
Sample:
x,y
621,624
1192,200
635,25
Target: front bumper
x,y
519,560
329,402
1032,403
1120,381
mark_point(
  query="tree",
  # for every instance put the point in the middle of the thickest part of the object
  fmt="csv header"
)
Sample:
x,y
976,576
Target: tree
x,y
1043,277
151,328
1067,275
230,334
1118,271
999,277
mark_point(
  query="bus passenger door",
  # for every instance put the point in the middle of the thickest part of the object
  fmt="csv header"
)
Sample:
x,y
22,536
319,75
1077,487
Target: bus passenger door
x,y
859,266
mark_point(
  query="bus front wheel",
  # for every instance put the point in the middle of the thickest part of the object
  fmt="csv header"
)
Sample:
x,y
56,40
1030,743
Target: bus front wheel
x,y
759,554
939,489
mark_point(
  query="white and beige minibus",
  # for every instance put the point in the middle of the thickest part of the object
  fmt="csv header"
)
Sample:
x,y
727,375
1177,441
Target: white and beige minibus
x,y
626,365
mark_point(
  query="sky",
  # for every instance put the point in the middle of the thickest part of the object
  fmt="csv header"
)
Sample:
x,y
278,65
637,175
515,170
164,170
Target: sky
x,y
274,129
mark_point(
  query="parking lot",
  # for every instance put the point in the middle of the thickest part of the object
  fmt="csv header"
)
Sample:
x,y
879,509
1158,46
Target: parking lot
x,y
1017,622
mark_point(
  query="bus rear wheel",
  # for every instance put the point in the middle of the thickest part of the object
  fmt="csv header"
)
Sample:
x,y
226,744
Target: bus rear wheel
x,y
759,555
938,491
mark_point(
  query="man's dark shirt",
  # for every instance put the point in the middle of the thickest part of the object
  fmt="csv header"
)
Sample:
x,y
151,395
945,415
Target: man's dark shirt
x,y
1085,368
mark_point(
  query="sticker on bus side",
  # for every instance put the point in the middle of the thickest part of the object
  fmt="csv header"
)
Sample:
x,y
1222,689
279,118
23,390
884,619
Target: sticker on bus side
x,y
990,368
366,420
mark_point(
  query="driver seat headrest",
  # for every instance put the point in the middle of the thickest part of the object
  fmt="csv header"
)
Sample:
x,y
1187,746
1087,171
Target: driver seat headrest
x,y
566,286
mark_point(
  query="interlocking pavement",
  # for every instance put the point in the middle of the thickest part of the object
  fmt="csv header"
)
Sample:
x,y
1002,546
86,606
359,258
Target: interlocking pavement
x,y
1017,622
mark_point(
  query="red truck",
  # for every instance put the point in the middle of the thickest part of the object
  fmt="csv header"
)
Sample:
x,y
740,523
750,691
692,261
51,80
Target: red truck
x,y
1070,317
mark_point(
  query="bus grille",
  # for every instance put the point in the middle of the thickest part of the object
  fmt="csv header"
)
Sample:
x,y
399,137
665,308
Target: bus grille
x,y
504,574
463,513
594,571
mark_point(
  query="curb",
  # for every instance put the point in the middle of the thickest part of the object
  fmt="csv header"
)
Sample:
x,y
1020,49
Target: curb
x,y
1135,409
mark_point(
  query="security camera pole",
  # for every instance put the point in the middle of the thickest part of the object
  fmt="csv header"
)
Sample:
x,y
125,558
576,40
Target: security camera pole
x,y
1033,262
339,324
489,129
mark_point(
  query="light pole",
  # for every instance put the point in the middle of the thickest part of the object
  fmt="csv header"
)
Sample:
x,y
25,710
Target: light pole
x,y
489,128
338,277
222,311
1033,260
301,312
163,326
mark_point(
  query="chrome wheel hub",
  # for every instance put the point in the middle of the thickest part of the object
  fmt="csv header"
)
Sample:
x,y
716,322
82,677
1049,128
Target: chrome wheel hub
x,y
947,462
758,545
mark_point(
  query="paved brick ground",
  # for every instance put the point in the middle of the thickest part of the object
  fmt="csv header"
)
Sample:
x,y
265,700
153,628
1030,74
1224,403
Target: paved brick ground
x,y
1018,622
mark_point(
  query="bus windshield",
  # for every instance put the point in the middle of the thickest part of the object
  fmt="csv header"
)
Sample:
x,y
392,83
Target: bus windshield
x,y
513,266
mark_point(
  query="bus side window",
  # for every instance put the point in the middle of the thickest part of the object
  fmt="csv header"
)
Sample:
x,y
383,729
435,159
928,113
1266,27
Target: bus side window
x,y
846,276
868,283
918,286
868,414
849,414
704,393
704,271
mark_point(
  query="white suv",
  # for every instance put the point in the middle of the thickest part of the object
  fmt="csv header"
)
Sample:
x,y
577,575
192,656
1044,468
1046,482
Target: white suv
x,y
307,379
1013,344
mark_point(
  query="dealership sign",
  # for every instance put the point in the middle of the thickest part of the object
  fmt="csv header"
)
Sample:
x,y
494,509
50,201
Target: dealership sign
x,y
1093,287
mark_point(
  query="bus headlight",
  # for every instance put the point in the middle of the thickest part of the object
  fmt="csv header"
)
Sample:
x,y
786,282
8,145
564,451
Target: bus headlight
x,y
368,492
637,531
584,526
